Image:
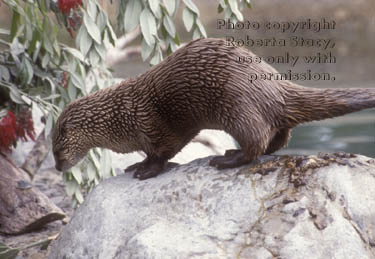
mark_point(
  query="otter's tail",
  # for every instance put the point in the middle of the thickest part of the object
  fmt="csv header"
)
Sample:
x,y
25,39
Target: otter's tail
x,y
305,104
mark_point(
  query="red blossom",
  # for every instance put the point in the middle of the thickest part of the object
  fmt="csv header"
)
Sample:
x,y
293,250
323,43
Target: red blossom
x,y
13,128
66,5
8,126
72,15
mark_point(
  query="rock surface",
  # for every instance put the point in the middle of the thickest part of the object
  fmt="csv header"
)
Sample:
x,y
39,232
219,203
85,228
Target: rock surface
x,y
23,208
280,207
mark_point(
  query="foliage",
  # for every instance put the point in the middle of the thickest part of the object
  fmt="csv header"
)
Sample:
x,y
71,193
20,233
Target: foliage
x,y
156,19
37,69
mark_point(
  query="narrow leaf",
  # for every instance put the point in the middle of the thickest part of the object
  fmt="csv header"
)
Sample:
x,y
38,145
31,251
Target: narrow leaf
x,y
201,28
188,18
148,26
45,60
154,6
30,70
85,41
91,9
234,7
78,195
192,6
92,28
76,53
77,174
72,91
169,26
170,5
132,12
70,187
146,50
16,97
196,33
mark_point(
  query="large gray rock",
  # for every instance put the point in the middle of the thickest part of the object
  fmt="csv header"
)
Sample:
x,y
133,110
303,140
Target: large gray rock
x,y
283,207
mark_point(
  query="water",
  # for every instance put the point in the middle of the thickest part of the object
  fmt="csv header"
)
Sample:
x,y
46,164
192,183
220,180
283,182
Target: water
x,y
352,133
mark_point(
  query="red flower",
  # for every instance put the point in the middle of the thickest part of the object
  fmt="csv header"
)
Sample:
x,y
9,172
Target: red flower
x,y
66,5
8,126
12,128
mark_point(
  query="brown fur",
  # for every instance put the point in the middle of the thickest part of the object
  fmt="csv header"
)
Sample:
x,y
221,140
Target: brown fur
x,y
200,86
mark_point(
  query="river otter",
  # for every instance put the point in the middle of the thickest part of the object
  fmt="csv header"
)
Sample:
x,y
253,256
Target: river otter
x,y
200,86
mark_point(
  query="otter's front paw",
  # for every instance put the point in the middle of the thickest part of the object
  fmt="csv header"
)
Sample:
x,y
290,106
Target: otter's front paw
x,y
152,170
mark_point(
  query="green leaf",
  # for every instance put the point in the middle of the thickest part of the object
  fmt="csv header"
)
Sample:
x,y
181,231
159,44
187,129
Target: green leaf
x,y
220,9
72,91
4,73
85,41
90,172
37,46
132,13
169,26
192,6
51,97
70,186
92,28
148,26
101,20
16,97
112,34
94,159
30,70
201,28
146,50
105,164
171,45
234,7
227,13
76,53
78,195
170,6
91,9
16,22
47,44
51,83
49,123
158,57
77,81
77,174
45,60
188,18
94,57
196,33
155,7
102,51
177,40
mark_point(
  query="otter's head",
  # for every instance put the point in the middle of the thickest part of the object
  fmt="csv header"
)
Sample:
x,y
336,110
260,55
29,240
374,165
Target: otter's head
x,y
68,141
